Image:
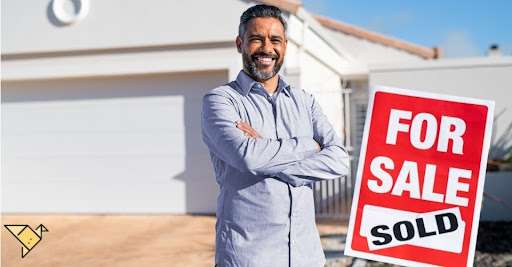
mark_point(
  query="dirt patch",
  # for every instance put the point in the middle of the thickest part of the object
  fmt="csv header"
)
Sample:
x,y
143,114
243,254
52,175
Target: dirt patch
x,y
112,240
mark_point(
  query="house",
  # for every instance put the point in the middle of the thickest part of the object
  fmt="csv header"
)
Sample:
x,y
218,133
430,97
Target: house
x,y
101,100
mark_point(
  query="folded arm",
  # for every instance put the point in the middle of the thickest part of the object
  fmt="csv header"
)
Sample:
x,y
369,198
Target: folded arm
x,y
330,163
259,156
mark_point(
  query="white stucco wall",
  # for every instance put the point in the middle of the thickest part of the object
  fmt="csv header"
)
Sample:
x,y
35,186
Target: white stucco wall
x,y
326,87
118,23
317,66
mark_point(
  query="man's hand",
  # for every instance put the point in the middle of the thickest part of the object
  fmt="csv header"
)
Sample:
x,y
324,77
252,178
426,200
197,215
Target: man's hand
x,y
247,129
319,148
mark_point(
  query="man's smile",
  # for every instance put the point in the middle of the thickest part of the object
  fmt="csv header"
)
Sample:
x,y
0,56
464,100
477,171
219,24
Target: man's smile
x,y
264,60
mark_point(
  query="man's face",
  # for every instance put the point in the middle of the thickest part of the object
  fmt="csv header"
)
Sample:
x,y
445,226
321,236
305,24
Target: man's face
x,y
263,47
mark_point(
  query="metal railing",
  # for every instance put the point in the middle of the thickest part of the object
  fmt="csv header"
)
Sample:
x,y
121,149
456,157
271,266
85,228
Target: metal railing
x,y
333,198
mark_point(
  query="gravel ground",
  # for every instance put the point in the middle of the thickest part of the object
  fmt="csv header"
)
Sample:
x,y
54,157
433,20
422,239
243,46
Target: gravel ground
x,y
494,248
494,244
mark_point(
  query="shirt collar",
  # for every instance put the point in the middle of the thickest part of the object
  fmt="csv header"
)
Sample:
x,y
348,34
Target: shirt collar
x,y
246,83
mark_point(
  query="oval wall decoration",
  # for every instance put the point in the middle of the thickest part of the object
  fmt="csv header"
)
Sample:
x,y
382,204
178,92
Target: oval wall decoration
x,y
64,16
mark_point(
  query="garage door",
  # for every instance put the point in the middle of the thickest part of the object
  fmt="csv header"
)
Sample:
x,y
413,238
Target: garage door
x,y
114,144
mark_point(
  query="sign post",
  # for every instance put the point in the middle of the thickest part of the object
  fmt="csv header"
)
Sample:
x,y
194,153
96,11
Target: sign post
x,y
420,178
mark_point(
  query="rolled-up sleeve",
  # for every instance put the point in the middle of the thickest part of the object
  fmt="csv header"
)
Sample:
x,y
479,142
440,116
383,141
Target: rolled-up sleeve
x,y
259,156
331,162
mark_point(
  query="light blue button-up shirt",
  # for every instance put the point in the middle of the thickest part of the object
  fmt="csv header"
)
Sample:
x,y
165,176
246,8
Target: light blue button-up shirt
x,y
265,208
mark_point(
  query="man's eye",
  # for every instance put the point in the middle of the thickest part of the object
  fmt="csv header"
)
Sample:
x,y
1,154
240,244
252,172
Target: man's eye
x,y
276,41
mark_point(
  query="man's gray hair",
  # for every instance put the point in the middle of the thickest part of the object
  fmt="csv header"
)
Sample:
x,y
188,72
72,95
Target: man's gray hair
x,y
260,11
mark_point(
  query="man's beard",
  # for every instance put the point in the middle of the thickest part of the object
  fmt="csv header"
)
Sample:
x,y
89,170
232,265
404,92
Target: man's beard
x,y
251,67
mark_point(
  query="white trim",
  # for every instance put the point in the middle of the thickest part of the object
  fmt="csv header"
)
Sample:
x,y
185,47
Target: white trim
x,y
481,179
320,30
112,64
442,64
348,70
346,65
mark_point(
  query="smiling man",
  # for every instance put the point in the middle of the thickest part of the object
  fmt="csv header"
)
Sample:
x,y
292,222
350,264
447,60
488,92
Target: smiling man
x,y
268,143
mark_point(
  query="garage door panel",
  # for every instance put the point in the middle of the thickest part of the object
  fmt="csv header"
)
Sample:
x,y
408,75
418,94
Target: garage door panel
x,y
117,144
112,115
83,144
97,169
94,198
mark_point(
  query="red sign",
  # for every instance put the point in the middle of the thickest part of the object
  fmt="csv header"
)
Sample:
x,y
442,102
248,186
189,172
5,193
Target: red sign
x,y
420,178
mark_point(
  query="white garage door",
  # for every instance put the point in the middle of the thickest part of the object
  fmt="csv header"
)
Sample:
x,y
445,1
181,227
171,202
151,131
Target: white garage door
x,y
115,144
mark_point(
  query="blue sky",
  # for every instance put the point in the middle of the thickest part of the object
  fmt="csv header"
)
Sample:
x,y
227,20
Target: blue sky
x,y
462,28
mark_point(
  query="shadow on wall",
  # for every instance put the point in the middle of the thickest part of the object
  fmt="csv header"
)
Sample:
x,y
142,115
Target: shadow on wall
x,y
497,205
202,189
126,144
501,146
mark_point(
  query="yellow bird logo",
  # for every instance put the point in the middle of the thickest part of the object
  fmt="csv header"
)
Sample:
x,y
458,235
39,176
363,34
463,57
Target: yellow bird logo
x,y
26,236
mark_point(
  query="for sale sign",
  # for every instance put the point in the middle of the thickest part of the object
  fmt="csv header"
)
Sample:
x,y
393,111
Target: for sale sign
x,y
420,178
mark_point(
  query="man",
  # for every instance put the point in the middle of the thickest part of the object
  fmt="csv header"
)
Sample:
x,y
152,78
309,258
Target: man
x,y
268,143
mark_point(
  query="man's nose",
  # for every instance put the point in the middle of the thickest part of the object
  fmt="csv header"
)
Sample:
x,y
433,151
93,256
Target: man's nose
x,y
267,46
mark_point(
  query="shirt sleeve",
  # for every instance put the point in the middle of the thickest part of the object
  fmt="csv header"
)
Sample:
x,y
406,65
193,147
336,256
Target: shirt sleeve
x,y
330,163
259,156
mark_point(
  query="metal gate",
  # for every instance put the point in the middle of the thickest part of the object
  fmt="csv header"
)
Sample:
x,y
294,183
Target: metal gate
x,y
333,198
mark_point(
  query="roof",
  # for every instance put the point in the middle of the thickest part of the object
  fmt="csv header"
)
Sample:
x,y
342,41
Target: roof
x,y
292,6
422,51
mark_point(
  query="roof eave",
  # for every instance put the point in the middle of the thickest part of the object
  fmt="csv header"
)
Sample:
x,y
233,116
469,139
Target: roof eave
x,y
422,51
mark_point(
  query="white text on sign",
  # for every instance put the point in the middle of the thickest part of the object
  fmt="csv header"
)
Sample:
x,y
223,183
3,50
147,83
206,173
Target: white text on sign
x,y
451,129
408,180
